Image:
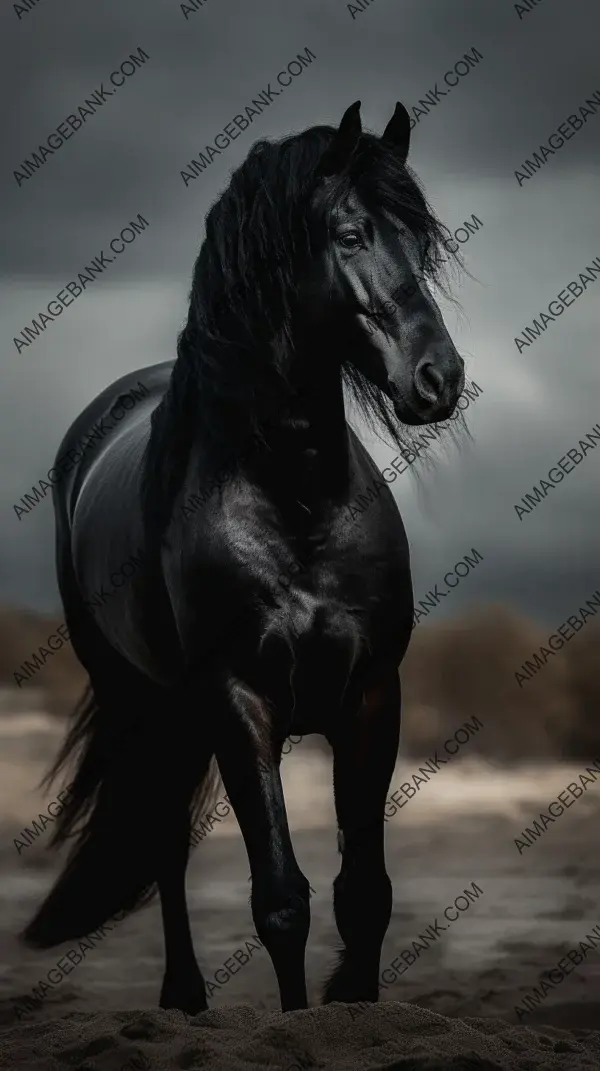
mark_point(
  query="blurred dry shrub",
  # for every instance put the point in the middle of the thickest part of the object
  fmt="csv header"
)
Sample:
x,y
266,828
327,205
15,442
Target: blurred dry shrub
x,y
452,671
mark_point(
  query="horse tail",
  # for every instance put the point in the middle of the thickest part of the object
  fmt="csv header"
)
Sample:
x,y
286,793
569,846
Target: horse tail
x,y
141,777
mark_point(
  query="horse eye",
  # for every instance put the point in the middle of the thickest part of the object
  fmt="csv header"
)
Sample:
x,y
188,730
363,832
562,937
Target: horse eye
x,y
350,240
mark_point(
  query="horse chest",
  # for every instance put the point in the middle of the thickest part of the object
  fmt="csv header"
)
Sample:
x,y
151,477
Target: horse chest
x,y
360,569
323,610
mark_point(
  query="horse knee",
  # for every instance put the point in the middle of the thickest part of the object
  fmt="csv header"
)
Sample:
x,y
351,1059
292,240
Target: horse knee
x,y
282,914
365,895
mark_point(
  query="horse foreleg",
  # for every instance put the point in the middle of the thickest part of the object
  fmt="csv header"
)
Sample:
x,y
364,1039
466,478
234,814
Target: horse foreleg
x,y
365,754
183,984
249,765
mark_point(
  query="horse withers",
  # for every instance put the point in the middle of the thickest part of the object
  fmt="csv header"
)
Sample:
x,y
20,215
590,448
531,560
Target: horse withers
x,y
235,471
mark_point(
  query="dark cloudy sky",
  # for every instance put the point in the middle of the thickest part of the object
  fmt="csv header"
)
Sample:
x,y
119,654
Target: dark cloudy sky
x,y
536,71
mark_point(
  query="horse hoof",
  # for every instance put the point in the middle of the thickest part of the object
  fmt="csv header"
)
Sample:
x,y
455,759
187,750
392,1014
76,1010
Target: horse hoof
x,y
191,1001
348,993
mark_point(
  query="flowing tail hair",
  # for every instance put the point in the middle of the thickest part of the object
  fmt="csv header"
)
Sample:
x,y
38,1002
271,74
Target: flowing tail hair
x,y
140,767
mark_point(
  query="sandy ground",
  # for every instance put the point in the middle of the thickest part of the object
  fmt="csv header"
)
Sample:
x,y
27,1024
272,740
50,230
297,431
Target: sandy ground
x,y
460,828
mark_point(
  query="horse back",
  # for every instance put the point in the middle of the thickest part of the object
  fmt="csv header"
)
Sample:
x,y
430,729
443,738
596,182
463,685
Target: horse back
x,y
96,428
97,502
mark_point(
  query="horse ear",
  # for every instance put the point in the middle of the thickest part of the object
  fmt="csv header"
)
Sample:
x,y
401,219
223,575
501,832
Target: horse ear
x,y
397,132
336,156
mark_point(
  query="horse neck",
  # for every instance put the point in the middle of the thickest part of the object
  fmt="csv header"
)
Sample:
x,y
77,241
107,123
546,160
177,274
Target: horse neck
x,y
307,443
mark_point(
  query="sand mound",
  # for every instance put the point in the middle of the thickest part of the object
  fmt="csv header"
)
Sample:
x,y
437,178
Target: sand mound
x,y
339,1037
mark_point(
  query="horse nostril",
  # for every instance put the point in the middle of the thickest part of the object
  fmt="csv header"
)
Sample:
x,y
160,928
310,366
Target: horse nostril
x,y
429,381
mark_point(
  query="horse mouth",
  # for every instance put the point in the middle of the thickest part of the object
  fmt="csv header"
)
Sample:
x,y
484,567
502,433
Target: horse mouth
x,y
432,413
409,406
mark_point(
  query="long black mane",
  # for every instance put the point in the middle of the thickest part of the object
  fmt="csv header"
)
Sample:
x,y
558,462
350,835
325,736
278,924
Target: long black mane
x,y
235,352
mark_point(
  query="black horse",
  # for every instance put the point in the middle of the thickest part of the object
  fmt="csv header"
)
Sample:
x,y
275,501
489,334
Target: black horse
x,y
258,611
